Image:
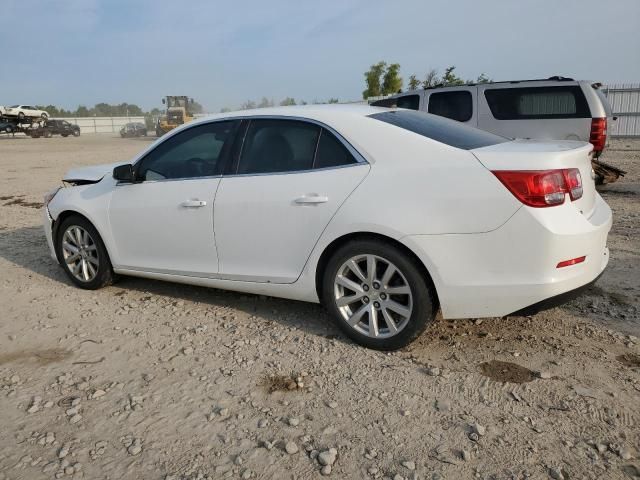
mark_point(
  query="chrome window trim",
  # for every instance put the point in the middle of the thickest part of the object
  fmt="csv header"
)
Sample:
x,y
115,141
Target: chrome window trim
x,y
360,160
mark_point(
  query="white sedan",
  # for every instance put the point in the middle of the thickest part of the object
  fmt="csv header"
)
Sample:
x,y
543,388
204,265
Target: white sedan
x,y
25,111
383,215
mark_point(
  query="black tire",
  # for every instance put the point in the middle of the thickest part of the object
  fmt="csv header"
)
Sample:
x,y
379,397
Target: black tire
x,y
424,302
104,275
65,135
21,115
44,116
76,133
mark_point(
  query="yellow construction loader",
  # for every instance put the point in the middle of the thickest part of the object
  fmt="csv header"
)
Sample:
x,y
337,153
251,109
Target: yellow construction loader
x,y
178,111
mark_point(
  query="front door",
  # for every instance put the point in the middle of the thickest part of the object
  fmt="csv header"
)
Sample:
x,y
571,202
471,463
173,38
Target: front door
x,y
164,221
289,182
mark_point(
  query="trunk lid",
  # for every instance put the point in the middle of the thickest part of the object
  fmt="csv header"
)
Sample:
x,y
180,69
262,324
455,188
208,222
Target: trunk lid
x,y
545,155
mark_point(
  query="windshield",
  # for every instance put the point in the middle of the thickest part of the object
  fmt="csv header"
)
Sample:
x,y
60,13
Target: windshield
x,y
443,130
176,102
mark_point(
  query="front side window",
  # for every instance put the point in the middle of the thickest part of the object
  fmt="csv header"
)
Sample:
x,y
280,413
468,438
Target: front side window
x,y
195,152
385,102
439,129
529,103
272,146
331,152
457,105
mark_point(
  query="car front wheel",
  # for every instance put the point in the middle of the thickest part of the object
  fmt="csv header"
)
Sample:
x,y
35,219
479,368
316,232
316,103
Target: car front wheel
x,y
378,295
82,254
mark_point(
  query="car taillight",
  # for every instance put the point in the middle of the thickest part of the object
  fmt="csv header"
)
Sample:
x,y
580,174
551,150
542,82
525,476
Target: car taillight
x,y
542,188
598,136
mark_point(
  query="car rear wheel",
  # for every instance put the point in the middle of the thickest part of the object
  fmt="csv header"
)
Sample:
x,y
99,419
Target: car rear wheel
x,y
82,254
377,294
76,133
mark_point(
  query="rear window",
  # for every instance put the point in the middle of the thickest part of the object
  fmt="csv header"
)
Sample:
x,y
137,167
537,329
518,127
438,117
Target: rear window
x,y
440,129
454,105
530,103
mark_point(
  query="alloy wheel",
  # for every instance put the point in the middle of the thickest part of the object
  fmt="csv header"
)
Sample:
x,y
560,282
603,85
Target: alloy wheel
x,y
373,296
80,253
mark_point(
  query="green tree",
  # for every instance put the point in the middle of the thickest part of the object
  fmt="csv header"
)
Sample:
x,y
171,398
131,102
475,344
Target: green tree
x,y
81,111
248,105
392,81
265,102
333,100
431,79
483,78
450,78
288,101
372,79
196,107
414,83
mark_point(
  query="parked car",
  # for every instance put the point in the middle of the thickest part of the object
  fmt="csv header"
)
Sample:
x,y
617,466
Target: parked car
x,y
7,127
25,111
133,129
62,127
382,215
557,108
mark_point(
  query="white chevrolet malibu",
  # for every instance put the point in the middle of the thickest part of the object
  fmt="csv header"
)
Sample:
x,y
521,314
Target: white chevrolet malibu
x,y
383,215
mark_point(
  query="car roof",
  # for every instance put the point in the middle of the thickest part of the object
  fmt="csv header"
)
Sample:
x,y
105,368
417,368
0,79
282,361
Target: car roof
x,y
319,113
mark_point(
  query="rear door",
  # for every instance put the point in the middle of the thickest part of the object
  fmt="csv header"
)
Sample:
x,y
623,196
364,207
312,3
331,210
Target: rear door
x,y
457,104
288,180
547,112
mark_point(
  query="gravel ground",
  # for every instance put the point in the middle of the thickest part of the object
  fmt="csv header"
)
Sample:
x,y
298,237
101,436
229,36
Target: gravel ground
x,y
150,380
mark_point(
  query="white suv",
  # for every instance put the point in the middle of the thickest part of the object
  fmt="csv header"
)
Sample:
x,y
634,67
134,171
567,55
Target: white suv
x,y
556,108
25,111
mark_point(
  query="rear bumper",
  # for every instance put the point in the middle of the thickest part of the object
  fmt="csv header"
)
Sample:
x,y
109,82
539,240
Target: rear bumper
x,y
497,273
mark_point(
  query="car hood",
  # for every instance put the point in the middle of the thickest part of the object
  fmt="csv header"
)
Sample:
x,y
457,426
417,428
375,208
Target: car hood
x,y
94,173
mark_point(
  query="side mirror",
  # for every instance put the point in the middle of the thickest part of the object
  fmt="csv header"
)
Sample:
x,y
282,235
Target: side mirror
x,y
124,173
163,101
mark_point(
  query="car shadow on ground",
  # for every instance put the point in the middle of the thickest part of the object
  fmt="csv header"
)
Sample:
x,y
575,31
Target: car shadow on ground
x,y
27,248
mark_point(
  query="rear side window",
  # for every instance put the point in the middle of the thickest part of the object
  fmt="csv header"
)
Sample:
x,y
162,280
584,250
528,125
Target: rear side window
x,y
331,152
272,146
385,102
530,103
440,129
412,102
454,105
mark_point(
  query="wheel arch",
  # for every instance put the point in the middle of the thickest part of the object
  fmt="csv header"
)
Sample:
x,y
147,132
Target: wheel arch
x,y
62,216
338,242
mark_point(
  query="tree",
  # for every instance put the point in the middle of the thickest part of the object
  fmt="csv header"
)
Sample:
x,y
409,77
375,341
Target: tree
x,y
414,83
265,102
482,78
225,110
195,107
372,79
392,81
288,101
333,100
450,79
431,79
248,105
82,111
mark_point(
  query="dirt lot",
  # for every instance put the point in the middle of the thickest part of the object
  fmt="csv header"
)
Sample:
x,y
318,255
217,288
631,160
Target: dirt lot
x,y
149,380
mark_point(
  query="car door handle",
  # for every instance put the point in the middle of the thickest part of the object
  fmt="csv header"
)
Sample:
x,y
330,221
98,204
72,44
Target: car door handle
x,y
311,199
193,203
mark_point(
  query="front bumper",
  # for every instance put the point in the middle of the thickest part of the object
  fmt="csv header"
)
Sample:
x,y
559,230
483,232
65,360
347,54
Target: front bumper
x,y
47,222
497,273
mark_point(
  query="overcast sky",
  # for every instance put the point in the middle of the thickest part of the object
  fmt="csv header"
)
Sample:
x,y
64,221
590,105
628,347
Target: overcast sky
x,y
71,52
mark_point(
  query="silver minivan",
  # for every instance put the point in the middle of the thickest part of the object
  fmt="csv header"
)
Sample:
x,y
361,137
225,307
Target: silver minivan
x,y
556,108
